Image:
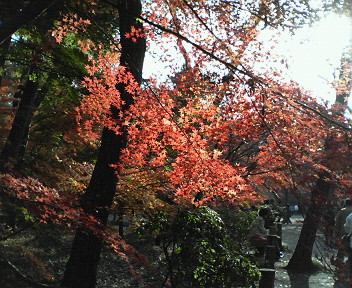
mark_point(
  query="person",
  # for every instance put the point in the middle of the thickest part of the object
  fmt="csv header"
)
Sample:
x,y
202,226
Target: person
x,y
348,230
329,224
258,234
339,229
286,217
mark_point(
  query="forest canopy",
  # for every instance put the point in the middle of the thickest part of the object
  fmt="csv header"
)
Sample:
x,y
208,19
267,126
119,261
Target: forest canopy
x,y
84,135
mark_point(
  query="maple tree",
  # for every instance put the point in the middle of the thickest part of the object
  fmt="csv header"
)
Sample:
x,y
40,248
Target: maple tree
x,y
48,132
85,252
336,144
186,127
225,127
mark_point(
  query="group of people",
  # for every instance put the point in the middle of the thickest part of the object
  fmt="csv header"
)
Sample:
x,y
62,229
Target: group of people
x,y
342,230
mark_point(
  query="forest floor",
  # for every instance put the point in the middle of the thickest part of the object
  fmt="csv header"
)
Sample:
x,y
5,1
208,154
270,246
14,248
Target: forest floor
x,y
36,259
33,259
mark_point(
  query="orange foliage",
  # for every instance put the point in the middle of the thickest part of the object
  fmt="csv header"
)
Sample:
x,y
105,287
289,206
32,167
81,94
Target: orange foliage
x,y
198,137
186,129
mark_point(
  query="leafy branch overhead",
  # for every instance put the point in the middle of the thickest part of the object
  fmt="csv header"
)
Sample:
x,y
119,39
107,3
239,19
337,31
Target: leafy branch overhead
x,y
217,126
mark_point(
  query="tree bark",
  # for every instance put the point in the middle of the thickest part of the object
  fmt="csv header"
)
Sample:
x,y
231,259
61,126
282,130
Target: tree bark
x,y
16,142
301,260
81,268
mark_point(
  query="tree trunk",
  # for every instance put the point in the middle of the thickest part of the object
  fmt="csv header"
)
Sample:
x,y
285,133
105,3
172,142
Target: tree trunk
x,y
302,257
16,142
81,268
301,260
299,280
345,79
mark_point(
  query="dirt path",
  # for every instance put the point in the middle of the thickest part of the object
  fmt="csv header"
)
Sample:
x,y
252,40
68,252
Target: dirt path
x,y
320,279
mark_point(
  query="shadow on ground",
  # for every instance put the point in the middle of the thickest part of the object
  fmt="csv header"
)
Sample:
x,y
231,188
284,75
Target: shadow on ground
x,y
319,279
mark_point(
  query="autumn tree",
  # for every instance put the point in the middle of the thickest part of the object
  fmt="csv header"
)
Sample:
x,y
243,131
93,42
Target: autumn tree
x,y
38,96
85,252
198,133
224,126
337,142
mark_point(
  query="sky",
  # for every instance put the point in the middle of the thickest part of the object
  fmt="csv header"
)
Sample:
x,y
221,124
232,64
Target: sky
x,y
313,55
315,52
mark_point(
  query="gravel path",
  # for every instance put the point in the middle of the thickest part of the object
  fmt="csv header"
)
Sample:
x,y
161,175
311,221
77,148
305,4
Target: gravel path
x,y
320,279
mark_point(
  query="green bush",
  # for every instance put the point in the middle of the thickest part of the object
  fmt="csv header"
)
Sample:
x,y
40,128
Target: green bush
x,y
200,251
238,224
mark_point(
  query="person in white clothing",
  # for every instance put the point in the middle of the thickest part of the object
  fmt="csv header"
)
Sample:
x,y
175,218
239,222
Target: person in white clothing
x,y
348,230
339,229
348,227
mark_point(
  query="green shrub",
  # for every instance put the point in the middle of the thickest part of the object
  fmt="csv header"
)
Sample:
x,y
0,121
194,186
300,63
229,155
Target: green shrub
x,y
200,251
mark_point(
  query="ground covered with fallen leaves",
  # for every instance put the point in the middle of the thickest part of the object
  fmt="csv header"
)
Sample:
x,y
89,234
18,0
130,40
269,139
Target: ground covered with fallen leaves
x,y
37,256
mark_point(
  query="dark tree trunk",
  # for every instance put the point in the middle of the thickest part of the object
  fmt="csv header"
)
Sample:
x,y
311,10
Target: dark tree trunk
x,y
4,47
81,268
16,142
299,280
301,260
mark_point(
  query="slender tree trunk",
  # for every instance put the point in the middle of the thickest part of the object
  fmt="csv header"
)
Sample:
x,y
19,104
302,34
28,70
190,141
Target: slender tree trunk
x,y
14,16
81,268
16,142
345,79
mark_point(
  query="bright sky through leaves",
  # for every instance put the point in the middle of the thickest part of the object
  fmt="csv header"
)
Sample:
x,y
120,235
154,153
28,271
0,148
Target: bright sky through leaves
x,y
315,53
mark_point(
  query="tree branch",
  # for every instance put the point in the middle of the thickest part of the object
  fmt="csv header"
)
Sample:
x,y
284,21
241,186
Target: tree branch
x,y
242,71
200,48
25,16
338,124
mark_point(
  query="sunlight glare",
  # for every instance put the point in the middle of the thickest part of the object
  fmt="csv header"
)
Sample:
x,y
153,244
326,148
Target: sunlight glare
x,y
316,52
